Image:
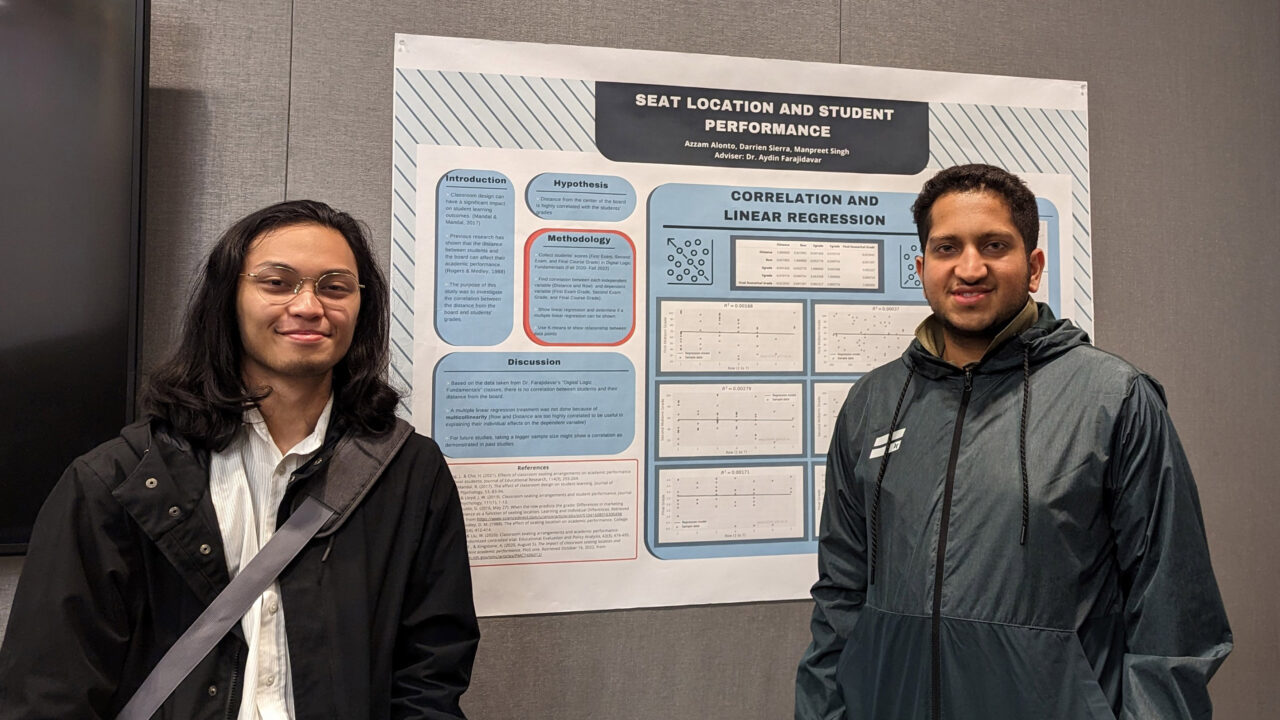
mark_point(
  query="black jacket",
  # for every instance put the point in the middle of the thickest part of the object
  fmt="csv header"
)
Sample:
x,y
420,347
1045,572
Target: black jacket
x,y
126,553
1018,539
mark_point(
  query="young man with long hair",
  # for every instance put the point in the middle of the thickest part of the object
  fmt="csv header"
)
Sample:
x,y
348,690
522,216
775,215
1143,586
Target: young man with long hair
x,y
276,393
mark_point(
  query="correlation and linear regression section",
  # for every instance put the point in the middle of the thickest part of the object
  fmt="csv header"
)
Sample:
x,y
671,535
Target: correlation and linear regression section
x,y
710,336
713,420
718,504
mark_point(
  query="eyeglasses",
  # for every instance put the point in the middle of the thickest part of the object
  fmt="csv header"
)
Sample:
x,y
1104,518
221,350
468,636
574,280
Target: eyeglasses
x,y
278,285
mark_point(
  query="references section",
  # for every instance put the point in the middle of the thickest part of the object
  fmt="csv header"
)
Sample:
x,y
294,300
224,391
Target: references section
x,y
563,511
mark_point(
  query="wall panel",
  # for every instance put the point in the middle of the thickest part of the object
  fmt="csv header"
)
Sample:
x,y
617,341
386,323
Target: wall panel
x,y
252,102
1184,112
216,145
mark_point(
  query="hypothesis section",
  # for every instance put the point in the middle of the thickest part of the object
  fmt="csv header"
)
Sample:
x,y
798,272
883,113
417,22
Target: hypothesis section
x,y
588,198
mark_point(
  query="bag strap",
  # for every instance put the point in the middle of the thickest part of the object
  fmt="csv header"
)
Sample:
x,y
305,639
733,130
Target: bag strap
x,y
226,609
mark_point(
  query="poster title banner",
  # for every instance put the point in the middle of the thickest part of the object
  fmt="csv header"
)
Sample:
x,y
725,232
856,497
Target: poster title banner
x,y
678,125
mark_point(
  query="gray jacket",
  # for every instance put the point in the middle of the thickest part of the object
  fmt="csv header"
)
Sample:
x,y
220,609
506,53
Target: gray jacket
x,y
1018,539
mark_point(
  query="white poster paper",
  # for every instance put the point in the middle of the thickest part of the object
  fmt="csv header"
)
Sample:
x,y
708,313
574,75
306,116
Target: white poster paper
x,y
631,290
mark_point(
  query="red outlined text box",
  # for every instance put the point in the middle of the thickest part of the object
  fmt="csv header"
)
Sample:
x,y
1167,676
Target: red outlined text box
x,y
528,249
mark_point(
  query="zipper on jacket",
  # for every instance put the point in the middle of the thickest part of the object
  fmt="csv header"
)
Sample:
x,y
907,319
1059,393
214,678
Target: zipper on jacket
x,y
943,522
235,680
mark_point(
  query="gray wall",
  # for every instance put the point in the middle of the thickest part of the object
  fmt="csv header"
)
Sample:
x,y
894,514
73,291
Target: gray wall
x,y
254,101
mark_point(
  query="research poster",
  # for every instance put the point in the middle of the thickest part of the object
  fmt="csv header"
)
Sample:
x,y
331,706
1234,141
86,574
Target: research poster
x,y
632,289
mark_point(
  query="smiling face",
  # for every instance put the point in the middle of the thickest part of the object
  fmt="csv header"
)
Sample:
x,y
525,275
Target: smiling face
x,y
976,271
302,338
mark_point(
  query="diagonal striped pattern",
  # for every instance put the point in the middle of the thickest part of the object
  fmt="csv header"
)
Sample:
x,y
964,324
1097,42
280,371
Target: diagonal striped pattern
x,y
472,110
1025,140
496,111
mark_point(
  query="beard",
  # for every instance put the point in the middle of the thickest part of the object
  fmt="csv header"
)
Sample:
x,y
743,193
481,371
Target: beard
x,y
263,369
1003,317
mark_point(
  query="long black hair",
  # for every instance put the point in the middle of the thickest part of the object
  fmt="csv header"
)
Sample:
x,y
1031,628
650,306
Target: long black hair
x,y
199,390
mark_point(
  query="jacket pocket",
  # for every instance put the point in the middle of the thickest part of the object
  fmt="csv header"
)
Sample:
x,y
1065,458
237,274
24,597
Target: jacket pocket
x,y
1090,689
884,668
992,670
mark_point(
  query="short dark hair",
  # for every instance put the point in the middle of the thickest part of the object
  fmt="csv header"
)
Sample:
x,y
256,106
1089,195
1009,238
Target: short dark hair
x,y
199,390
974,178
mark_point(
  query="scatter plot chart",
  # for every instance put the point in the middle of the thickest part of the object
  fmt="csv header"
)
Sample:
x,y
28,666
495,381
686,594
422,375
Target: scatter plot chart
x,y
687,261
710,336
713,420
852,338
738,503
828,398
819,495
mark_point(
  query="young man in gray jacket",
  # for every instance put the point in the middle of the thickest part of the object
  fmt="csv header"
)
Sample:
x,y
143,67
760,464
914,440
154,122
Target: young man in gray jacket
x,y
277,393
1011,529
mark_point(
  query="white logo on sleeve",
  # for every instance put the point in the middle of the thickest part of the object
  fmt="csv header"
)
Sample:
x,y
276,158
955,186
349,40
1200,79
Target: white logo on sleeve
x,y
882,444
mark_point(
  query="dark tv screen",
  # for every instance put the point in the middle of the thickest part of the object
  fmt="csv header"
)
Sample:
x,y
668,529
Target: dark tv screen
x,y
72,83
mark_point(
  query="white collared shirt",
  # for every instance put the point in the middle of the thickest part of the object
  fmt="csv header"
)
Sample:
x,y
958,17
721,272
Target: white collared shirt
x,y
248,481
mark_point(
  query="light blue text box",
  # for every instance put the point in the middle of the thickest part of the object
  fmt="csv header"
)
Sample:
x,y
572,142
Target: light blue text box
x,y
565,196
475,257
533,404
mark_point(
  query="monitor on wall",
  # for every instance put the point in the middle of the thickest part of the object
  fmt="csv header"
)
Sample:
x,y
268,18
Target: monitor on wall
x,y
72,85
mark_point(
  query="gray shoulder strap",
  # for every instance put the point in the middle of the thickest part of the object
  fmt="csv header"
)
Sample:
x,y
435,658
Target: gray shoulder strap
x,y
226,609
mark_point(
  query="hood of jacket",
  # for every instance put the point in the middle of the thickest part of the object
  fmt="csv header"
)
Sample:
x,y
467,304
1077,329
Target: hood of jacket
x,y
1045,340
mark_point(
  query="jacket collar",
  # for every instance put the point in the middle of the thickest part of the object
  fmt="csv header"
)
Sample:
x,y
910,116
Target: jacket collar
x,y
931,336
1044,340
166,495
167,492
